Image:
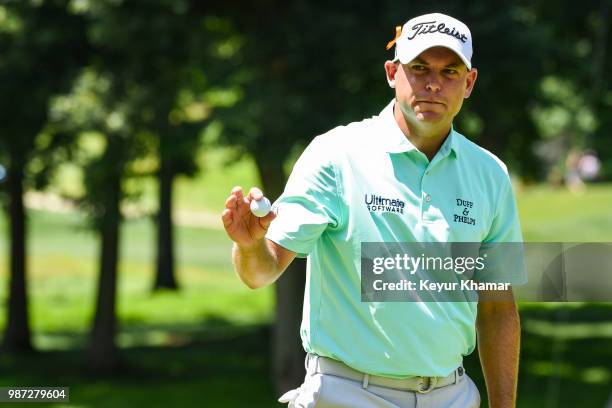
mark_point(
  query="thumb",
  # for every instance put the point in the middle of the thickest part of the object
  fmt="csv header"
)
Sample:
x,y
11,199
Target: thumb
x,y
265,222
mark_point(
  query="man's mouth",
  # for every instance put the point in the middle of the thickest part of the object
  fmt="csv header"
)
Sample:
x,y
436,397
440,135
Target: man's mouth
x,y
430,101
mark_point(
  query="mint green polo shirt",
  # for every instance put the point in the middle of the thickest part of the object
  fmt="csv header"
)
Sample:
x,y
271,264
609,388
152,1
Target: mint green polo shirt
x,y
324,214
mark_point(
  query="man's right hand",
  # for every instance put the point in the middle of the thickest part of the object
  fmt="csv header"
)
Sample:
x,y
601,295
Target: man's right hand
x,y
241,225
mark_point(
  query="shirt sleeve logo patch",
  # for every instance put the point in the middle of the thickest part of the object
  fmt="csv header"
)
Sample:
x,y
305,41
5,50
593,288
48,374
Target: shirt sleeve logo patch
x,y
465,212
380,204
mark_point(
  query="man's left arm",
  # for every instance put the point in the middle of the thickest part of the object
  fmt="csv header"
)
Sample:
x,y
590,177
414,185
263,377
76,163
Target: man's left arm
x,y
499,332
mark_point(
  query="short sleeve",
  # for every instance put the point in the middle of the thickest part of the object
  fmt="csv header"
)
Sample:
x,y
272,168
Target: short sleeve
x,y
503,244
506,226
310,202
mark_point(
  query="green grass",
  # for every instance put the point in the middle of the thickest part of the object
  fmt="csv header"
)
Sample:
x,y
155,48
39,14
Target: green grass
x,y
180,348
222,371
62,277
553,214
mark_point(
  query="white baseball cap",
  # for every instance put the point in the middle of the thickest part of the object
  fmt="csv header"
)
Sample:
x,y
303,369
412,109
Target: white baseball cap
x,y
432,30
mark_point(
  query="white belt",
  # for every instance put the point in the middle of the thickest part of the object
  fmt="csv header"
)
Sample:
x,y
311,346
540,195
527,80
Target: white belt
x,y
324,365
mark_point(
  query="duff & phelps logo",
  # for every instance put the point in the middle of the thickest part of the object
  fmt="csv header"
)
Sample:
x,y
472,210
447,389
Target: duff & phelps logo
x,y
467,206
381,204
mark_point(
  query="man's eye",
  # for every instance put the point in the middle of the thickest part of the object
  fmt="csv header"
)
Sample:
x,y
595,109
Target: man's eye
x,y
418,67
449,71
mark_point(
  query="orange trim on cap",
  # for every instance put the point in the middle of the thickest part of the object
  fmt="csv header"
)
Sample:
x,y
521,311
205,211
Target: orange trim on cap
x,y
398,31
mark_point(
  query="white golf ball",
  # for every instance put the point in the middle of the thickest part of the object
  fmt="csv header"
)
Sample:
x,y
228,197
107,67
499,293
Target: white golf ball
x,y
261,208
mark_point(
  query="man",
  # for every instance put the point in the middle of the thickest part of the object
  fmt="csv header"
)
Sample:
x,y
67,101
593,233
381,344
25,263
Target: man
x,y
391,354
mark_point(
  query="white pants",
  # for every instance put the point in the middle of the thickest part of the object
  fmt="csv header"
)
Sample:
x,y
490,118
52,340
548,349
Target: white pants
x,y
329,391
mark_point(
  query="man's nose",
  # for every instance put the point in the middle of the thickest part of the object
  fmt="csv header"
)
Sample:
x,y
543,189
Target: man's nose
x,y
433,83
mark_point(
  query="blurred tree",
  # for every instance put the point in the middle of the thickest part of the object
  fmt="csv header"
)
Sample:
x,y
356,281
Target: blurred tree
x,y
508,46
601,96
148,100
101,111
582,98
104,191
568,95
41,45
169,70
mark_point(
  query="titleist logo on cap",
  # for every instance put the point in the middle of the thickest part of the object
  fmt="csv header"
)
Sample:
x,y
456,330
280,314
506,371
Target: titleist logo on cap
x,y
428,27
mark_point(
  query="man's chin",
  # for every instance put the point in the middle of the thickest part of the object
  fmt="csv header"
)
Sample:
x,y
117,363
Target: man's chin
x,y
432,118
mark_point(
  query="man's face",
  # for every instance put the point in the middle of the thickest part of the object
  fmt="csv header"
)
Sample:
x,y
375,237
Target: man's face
x,y
430,89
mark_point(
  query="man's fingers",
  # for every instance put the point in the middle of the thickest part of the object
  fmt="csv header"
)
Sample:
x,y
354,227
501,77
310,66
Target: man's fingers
x,y
235,199
237,191
237,211
238,202
226,217
230,202
244,207
255,193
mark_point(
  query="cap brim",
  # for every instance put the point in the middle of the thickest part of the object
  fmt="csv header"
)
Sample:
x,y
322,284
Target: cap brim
x,y
406,57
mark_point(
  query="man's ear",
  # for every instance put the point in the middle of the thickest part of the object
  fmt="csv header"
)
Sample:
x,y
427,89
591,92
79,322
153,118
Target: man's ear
x,y
391,70
470,82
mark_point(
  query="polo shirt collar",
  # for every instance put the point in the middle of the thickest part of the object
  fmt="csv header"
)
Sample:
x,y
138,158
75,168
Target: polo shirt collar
x,y
394,140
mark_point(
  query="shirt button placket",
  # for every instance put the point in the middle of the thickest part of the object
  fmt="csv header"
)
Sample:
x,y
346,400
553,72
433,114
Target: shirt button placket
x,y
425,196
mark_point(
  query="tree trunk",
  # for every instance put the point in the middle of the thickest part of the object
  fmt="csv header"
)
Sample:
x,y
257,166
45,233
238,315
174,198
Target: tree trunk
x,y
287,351
103,354
288,364
17,336
164,276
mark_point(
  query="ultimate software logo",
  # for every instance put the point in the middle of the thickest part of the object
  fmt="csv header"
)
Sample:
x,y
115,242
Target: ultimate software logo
x,y
381,204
